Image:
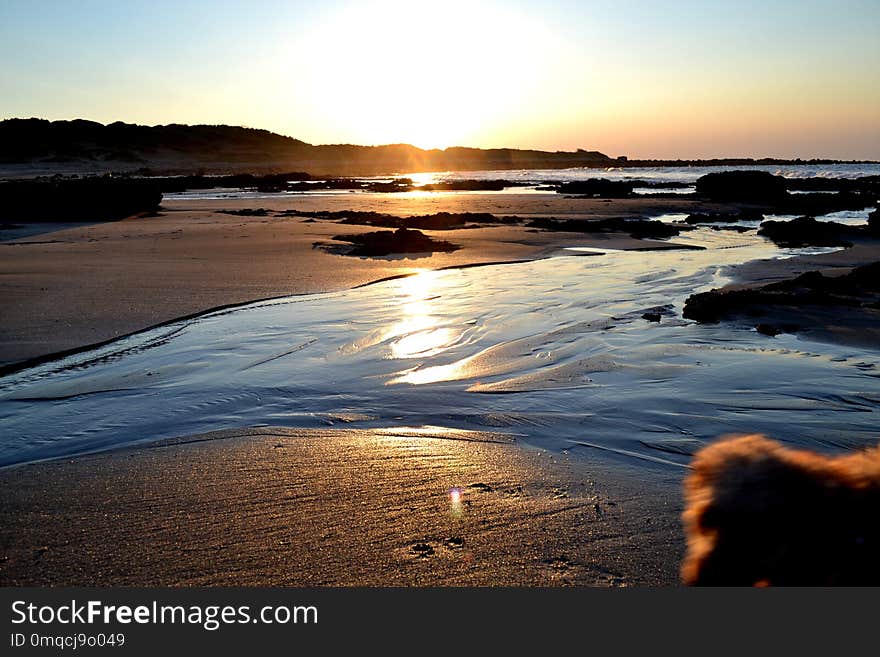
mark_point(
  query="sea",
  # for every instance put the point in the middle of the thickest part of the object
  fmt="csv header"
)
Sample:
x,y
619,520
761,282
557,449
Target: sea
x,y
532,180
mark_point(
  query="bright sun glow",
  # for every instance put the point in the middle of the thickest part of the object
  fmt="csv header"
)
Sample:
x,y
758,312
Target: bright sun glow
x,y
408,72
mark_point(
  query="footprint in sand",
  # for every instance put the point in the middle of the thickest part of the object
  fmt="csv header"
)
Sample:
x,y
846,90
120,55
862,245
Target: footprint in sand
x,y
516,491
421,550
426,549
558,569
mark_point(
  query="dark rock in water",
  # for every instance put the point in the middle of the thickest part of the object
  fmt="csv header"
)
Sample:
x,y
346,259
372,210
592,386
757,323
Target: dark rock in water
x,y
860,288
396,185
771,192
598,187
743,186
638,228
437,221
807,231
82,199
768,329
869,184
666,184
819,204
655,313
310,186
271,183
734,228
470,186
247,212
874,222
386,242
724,217
275,184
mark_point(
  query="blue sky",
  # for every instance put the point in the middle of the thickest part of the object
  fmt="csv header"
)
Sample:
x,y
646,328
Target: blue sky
x,y
659,79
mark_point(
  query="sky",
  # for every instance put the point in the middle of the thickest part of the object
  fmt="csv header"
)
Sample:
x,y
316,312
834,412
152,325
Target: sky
x,y
674,79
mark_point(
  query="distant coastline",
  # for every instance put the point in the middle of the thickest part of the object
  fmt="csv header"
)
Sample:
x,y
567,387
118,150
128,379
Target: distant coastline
x,y
30,147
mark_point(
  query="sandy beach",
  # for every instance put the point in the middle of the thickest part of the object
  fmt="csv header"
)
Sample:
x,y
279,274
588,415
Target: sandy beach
x,y
338,507
308,507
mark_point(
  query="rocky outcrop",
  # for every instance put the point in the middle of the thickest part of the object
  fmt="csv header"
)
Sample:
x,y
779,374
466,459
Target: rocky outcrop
x,y
597,188
808,231
860,288
81,199
470,186
869,184
743,187
247,212
771,193
819,204
874,223
724,217
636,227
436,221
386,242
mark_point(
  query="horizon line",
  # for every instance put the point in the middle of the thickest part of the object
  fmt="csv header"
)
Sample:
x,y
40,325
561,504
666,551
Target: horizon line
x,y
611,158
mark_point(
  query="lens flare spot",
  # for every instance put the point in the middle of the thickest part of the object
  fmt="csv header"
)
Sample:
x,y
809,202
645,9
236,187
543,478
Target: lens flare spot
x,y
455,501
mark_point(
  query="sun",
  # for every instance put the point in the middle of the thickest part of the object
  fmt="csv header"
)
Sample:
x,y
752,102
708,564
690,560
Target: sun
x,y
429,74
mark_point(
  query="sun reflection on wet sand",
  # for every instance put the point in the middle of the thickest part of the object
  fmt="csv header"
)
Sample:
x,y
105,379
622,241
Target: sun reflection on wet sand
x,y
452,372
423,343
420,310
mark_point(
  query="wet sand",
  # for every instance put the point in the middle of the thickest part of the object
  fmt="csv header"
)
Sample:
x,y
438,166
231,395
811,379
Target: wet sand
x,y
285,507
80,286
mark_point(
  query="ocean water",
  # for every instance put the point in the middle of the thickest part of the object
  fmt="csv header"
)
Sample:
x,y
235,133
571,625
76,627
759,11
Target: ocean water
x,y
660,174
533,178
554,352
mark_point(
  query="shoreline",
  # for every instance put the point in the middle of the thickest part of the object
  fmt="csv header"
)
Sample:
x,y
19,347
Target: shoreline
x,y
175,167
18,366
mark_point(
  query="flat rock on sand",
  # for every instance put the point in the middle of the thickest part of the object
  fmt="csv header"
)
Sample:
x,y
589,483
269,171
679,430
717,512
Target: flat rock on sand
x,y
286,507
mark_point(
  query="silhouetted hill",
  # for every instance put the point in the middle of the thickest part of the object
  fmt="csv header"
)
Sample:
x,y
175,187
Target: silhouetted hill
x,y
26,140
68,145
